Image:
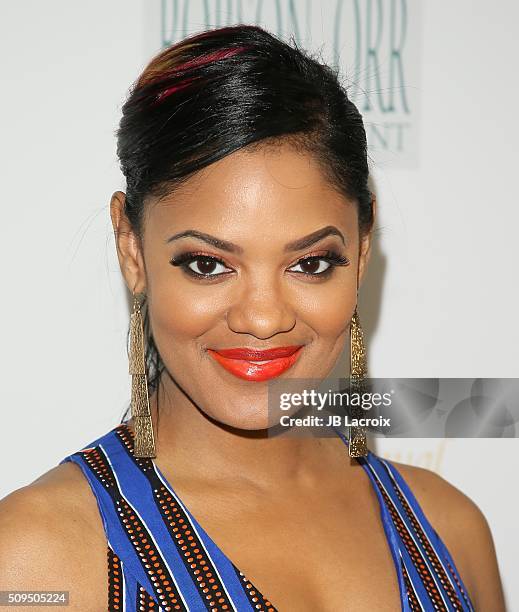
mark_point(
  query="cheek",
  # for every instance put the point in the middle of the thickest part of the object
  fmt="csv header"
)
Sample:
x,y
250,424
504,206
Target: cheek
x,y
328,309
182,312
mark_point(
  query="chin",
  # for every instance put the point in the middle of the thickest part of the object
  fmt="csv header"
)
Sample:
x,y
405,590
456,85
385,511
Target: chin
x,y
243,418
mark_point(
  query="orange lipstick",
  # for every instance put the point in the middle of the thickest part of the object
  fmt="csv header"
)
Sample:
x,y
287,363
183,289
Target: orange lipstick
x,y
255,364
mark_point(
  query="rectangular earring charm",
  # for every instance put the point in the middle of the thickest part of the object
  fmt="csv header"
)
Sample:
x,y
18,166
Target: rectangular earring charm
x,y
144,440
357,445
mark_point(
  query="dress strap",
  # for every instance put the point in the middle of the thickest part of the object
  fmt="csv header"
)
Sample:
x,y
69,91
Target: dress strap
x,y
430,575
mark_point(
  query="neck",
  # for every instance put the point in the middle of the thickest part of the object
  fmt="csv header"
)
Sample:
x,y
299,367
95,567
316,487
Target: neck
x,y
193,446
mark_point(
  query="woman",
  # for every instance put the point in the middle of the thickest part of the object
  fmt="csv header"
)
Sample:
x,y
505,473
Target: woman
x,y
246,225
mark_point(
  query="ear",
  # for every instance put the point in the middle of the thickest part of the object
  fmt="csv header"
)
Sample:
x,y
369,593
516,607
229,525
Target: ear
x,y
365,243
128,245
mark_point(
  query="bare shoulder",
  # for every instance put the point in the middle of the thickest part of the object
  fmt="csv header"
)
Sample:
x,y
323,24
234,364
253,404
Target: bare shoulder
x,y
465,531
53,539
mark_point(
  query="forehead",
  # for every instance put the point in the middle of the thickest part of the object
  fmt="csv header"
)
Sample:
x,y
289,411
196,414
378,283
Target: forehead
x,y
263,191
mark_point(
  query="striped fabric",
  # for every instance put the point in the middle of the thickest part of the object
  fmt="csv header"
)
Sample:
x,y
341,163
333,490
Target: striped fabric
x,y
160,558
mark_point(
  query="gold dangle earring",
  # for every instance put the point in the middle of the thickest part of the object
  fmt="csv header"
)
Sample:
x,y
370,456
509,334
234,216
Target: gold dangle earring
x,y
357,445
144,441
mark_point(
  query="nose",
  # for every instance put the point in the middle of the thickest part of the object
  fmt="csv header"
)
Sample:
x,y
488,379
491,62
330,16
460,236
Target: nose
x,y
261,310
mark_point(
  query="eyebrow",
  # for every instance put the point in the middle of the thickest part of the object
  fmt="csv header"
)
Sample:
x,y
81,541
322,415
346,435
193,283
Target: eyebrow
x,y
295,245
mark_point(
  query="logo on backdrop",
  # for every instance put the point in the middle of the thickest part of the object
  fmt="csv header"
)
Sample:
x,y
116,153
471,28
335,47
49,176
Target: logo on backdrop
x,y
374,43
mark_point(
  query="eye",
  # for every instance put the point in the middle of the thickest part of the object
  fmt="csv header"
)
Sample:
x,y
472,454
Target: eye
x,y
200,265
319,265
312,265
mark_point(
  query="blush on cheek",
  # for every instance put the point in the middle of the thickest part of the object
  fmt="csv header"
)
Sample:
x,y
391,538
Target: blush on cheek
x,y
180,316
328,314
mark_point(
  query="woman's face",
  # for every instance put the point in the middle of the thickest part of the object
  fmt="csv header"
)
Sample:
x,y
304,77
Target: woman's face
x,y
256,251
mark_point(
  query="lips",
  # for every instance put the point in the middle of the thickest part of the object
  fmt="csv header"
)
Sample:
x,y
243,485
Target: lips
x,y
255,364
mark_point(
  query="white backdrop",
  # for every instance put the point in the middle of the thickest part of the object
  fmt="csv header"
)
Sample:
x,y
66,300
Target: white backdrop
x,y
441,297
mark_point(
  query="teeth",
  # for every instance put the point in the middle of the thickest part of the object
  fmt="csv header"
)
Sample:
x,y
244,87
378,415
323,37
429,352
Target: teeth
x,y
261,362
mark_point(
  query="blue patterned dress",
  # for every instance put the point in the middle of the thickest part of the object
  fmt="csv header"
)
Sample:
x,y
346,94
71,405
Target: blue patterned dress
x,y
160,558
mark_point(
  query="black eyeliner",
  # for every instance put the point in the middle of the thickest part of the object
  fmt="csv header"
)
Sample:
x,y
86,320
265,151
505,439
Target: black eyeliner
x,y
183,261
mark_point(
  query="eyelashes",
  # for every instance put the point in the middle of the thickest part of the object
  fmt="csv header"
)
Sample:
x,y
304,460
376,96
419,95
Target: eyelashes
x,y
208,263
212,267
